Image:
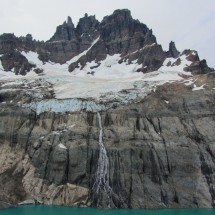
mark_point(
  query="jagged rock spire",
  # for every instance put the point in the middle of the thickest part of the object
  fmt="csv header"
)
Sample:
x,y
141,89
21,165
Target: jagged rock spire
x,y
87,24
173,52
66,31
69,22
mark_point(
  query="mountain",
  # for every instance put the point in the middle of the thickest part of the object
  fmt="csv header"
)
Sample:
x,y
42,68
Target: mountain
x,y
92,41
100,115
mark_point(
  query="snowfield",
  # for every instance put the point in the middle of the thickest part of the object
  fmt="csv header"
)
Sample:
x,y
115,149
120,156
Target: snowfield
x,y
97,83
110,76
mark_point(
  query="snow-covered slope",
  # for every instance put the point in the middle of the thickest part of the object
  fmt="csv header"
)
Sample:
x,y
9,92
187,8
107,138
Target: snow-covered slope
x,y
171,64
95,84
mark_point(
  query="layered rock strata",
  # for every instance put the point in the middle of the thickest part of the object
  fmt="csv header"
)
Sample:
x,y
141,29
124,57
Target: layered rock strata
x,y
160,151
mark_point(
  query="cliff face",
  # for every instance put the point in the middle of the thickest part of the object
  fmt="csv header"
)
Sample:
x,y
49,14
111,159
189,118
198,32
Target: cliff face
x,y
160,151
101,116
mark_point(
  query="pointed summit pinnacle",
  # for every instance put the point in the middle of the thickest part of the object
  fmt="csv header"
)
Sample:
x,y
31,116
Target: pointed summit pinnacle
x,y
173,52
69,22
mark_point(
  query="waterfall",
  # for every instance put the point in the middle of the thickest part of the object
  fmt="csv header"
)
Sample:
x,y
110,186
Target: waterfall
x,y
102,192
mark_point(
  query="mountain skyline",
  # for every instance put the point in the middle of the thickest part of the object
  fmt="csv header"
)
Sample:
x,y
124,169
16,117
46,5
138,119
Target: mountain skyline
x,y
169,21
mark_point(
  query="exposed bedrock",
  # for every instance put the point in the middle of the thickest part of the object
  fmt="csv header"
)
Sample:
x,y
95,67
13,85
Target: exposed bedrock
x,y
161,153
117,33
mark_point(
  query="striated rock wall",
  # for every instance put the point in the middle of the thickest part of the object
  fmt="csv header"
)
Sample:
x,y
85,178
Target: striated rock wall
x,y
161,153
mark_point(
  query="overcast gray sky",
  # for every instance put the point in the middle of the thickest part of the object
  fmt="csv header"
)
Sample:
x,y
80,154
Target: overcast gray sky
x,y
190,23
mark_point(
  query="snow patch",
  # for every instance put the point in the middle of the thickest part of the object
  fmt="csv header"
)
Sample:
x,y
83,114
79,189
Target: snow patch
x,y
56,132
12,84
74,59
71,126
50,67
109,68
189,82
180,68
163,76
61,146
6,75
195,88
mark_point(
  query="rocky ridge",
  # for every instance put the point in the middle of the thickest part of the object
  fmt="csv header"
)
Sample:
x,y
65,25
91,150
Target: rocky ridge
x,y
118,33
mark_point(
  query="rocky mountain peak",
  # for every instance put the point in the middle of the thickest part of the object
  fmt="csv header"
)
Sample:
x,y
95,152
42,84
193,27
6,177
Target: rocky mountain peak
x,y
7,43
121,18
66,31
173,52
87,24
92,40
69,22
123,34
29,37
122,12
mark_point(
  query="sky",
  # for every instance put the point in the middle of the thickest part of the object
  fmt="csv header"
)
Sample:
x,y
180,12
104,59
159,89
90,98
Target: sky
x,y
189,23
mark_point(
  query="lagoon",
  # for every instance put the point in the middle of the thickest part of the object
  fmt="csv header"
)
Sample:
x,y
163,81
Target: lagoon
x,y
55,210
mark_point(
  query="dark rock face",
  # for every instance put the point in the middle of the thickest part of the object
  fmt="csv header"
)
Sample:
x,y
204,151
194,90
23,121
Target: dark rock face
x,y
8,42
16,61
88,27
122,34
12,59
161,154
69,41
173,52
152,58
194,64
199,67
13,190
65,31
88,30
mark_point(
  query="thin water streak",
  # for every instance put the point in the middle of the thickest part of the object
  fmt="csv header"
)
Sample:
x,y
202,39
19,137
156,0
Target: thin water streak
x,y
101,188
